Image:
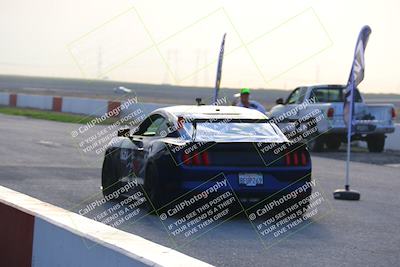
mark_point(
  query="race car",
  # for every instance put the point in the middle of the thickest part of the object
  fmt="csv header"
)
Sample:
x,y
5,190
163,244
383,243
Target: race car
x,y
122,90
179,149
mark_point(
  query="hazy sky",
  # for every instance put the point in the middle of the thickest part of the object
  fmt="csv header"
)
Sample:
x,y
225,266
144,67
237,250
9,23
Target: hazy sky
x,y
270,44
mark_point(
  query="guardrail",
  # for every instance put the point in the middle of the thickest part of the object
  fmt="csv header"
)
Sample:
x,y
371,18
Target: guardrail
x,y
35,233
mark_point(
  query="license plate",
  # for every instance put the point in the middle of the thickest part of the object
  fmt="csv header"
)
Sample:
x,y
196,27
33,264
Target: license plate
x,y
365,128
251,179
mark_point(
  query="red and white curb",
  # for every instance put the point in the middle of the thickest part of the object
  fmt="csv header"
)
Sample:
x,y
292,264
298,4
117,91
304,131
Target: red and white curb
x,y
35,233
87,106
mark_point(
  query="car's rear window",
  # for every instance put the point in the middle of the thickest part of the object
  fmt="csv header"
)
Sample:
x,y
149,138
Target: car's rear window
x,y
246,131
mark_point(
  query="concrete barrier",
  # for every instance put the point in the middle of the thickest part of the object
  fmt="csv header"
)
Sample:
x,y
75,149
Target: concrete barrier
x,y
13,100
16,241
57,103
35,101
393,140
35,233
4,99
87,106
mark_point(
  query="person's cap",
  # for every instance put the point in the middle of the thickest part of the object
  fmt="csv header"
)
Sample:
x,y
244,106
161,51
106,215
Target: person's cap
x,y
245,91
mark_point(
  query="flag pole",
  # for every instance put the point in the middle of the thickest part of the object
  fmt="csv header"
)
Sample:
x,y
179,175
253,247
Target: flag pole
x,y
356,76
349,132
346,193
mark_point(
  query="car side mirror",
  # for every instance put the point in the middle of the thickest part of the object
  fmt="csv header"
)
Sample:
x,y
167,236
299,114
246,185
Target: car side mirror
x,y
135,130
124,132
279,101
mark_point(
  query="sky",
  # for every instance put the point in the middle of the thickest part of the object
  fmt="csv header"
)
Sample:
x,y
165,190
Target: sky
x,y
270,44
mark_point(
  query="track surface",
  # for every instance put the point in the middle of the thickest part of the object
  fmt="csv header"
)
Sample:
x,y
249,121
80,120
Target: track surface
x,y
40,158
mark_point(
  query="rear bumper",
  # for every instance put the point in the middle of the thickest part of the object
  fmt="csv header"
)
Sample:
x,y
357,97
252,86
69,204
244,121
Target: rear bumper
x,y
274,180
377,130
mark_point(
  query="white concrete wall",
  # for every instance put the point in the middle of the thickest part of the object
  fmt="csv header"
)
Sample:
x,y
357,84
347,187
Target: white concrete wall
x,y
63,238
393,140
54,246
87,106
35,101
4,99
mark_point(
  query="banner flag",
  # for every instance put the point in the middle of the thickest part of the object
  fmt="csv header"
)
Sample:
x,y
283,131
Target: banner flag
x,y
219,69
356,75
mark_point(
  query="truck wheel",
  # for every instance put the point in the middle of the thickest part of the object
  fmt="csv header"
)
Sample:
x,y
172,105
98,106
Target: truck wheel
x,y
376,142
109,179
316,144
333,143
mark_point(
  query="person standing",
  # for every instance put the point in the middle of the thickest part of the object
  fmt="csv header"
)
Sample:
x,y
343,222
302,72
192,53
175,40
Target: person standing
x,y
247,103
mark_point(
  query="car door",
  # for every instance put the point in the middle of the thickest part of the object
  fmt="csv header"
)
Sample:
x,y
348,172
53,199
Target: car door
x,y
142,144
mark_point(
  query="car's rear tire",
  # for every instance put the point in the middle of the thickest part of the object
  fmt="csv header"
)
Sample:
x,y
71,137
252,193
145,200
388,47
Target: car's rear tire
x,y
376,142
153,188
333,142
109,178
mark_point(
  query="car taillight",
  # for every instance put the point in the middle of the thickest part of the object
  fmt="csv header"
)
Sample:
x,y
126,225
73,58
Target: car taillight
x,y
296,158
205,158
393,113
303,158
196,159
330,112
288,161
186,159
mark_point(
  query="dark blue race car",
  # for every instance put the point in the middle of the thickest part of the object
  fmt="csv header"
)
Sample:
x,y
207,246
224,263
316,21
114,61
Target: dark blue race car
x,y
182,149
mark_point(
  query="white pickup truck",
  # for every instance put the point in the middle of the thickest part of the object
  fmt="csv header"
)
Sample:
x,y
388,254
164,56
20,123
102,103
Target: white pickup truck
x,y
321,107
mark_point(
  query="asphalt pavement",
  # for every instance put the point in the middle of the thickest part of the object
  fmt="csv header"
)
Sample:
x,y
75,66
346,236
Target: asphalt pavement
x,y
41,159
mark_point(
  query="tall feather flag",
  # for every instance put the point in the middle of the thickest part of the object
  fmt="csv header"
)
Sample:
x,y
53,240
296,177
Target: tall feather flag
x,y
356,75
355,78
219,69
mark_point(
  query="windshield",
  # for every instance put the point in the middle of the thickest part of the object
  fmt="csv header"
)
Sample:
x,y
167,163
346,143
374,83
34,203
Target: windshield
x,y
297,96
235,131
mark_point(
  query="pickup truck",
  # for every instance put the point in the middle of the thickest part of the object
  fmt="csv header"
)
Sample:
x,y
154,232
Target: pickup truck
x,y
300,110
